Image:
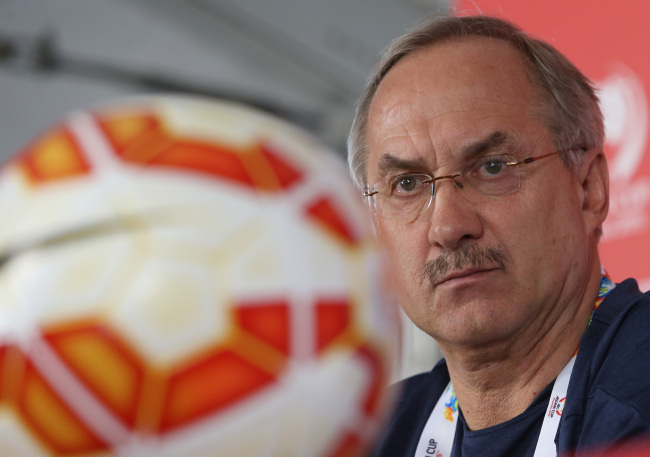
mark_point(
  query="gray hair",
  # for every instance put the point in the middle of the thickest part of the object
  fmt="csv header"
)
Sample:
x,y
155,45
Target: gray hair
x,y
569,106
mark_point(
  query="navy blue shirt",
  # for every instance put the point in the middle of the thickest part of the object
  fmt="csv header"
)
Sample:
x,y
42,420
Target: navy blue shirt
x,y
608,399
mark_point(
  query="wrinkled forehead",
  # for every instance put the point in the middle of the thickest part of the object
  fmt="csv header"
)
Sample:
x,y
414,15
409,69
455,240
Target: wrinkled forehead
x,y
439,101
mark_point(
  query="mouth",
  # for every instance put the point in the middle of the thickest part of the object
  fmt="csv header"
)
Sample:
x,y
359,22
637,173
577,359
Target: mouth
x,y
463,276
462,267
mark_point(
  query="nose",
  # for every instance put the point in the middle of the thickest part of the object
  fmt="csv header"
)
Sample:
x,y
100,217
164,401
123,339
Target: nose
x,y
454,220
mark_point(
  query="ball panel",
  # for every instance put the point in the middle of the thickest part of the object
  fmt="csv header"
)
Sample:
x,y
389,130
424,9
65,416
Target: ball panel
x,y
54,156
81,279
269,322
148,142
332,319
169,312
52,420
278,168
124,128
209,386
103,363
324,212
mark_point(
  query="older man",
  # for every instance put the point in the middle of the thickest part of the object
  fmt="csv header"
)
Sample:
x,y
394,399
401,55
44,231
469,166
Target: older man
x,y
480,150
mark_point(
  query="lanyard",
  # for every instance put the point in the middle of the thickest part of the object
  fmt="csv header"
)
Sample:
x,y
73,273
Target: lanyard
x,y
437,438
438,435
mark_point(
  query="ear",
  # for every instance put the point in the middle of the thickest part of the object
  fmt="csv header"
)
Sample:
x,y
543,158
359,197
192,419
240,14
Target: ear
x,y
594,179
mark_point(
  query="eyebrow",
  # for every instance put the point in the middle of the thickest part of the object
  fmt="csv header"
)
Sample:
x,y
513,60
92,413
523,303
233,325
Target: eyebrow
x,y
389,162
493,141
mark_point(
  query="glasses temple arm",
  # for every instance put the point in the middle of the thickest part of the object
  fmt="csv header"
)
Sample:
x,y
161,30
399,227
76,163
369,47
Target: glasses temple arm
x,y
533,159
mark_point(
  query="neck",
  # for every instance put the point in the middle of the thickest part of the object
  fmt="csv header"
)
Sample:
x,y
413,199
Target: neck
x,y
494,391
498,381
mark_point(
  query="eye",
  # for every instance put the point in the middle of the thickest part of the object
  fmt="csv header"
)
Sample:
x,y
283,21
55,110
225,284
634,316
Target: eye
x,y
492,175
493,165
408,184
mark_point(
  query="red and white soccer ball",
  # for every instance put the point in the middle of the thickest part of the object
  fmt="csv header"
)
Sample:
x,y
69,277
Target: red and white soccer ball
x,y
182,277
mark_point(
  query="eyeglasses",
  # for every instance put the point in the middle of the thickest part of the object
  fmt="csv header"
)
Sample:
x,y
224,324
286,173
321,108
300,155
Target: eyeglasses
x,y
410,194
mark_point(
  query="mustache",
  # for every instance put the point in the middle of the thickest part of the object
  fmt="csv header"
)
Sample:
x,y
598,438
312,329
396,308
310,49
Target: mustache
x,y
468,256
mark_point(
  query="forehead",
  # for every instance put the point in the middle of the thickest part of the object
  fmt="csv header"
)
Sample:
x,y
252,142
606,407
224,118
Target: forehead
x,y
439,100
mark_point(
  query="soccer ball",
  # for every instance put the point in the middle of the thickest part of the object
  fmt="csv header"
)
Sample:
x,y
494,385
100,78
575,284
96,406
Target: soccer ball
x,y
185,277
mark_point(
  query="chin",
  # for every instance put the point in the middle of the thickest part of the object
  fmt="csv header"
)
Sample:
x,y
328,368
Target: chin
x,y
474,323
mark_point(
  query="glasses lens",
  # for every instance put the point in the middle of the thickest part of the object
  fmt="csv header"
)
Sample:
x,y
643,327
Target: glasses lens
x,y
403,196
489,176
408,195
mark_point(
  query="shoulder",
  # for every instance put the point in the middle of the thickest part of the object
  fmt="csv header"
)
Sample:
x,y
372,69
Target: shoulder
x,y
620,368
620,335
414,399
618,327
609,395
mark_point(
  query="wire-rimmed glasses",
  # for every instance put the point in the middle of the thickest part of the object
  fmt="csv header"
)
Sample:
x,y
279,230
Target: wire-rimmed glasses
x,y
410,194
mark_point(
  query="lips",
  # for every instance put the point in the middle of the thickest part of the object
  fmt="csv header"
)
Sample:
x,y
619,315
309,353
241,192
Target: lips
x,y
466,273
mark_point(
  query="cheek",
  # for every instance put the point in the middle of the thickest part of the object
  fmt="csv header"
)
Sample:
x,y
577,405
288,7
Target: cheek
x,y
394,245
407,249
540,229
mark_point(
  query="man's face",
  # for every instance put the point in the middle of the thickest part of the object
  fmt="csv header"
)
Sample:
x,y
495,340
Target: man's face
x,y
515,262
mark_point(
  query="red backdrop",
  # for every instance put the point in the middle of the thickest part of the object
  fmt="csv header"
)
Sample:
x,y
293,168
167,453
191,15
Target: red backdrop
x,y
607,40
